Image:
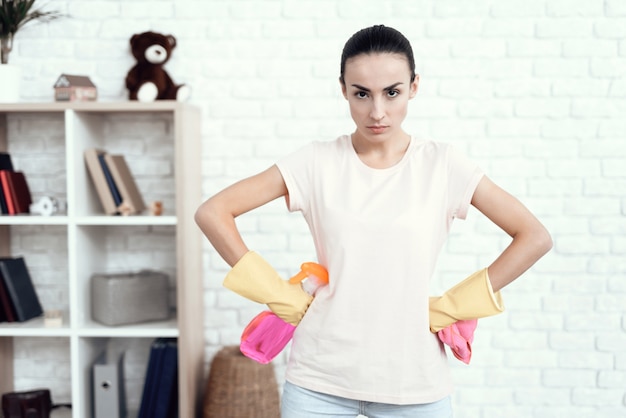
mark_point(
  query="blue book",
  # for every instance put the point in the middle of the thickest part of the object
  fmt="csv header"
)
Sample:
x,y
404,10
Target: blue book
x,y
153,372
5,161
117,198
166,405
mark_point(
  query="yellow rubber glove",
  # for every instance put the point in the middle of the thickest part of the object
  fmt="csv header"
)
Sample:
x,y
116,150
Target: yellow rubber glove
x,y
473,298
253,278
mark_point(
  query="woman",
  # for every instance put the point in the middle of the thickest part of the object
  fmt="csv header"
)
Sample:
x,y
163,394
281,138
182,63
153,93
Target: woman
x,y
379,204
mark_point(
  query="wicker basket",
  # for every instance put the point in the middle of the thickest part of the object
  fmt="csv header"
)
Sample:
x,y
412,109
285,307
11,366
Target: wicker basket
x,y
239,387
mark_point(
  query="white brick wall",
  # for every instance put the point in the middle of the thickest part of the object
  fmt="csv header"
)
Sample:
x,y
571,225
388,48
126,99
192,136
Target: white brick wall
x,y
535,91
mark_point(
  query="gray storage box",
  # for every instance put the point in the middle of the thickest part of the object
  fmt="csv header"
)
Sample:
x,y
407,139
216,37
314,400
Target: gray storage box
x,y
127,298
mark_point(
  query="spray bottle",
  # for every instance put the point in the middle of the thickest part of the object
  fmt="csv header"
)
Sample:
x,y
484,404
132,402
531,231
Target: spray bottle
x,y
266,335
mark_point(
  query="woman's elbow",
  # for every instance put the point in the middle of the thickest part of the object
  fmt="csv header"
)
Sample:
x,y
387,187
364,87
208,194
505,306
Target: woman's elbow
x,y
199,215
205,214
543,241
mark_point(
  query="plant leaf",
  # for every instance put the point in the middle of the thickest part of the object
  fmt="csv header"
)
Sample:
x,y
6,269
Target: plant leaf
x,y
14,14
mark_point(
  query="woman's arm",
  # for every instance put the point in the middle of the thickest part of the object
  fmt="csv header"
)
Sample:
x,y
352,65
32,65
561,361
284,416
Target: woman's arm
x,y
530,242
216,216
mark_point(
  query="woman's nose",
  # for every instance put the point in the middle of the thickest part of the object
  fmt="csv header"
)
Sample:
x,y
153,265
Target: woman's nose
x,y
377,112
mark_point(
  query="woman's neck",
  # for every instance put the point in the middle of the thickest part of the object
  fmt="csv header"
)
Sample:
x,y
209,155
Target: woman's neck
x,y
382,152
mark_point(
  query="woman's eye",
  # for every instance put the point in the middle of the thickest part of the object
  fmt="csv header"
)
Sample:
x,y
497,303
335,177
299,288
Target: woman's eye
x,y
361,94
393,93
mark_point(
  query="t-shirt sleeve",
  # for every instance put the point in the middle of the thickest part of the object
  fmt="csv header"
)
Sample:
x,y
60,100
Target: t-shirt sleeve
x,y
297,172
464,176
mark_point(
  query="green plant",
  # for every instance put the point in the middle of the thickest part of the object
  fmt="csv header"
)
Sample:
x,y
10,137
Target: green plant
x,y
14,14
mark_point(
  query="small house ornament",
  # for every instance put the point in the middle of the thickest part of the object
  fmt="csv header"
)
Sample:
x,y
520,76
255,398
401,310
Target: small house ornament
x,y
74,88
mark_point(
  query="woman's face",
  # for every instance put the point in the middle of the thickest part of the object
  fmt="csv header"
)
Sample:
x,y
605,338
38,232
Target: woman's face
x,y
378,88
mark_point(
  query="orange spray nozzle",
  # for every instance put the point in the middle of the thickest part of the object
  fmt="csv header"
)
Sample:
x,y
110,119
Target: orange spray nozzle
x,y
310,269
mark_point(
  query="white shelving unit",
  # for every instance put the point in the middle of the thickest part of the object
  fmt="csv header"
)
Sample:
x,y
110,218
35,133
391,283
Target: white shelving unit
x,y
90,242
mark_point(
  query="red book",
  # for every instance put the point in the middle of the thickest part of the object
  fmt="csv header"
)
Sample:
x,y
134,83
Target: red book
x,y
16,191
4,180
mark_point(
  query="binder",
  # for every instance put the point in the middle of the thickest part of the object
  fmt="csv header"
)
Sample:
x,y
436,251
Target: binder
x,y
7,312
148,397
160,391
20,288
167,393
108,388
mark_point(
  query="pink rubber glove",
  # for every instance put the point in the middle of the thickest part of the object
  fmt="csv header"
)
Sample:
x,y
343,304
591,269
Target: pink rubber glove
x,y
265,337
459,337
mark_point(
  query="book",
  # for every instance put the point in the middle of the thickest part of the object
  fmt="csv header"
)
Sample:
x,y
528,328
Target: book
x,y
117,199
99,180
155,363
23,198
20,289
7,311
3,203
131,196
166,402
3,317
6,192
5,164
16,191
5,161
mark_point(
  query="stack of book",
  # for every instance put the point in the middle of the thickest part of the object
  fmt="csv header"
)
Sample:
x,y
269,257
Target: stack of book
x,y
160,390
18,298
14,192
114,183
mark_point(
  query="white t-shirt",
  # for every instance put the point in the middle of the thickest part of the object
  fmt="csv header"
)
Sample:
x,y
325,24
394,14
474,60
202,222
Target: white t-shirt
x,y
378,232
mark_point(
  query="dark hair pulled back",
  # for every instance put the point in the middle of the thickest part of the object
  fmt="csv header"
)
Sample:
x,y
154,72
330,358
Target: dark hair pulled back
x,y
377,39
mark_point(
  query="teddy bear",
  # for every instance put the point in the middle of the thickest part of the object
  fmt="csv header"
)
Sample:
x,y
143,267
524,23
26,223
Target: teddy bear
x,y
147,80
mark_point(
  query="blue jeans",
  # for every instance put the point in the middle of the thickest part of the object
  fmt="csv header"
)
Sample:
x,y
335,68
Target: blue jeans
x,y
298,402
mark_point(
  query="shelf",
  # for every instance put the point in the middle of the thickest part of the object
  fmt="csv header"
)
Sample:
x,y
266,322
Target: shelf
x,y
98,106
35,328
126,220
163,140
145,329
27,219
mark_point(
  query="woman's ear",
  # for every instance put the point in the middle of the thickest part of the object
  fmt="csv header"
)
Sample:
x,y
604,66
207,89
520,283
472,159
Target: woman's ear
x,y
414,86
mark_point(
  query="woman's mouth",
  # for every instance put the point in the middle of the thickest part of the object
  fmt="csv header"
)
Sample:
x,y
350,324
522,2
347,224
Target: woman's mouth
x,y
377,129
